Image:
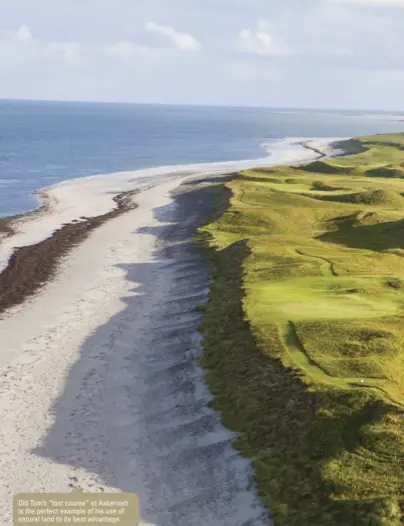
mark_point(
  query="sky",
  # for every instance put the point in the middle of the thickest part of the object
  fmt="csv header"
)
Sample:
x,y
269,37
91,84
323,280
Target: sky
x,y
342,54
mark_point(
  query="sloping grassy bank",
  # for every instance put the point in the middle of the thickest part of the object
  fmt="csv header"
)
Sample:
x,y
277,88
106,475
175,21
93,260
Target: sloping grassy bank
x,y
303,334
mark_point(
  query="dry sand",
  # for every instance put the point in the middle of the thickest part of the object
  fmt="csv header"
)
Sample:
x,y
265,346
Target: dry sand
x,y
99,389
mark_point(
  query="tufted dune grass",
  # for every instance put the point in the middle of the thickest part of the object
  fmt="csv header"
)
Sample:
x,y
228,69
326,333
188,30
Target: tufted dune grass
x,y
303,333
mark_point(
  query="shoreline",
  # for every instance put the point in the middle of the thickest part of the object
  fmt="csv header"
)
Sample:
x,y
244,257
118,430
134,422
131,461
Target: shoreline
x,y
81,359
28,266
59,204
79,366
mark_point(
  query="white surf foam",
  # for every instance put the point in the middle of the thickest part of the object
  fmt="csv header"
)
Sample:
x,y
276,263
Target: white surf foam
x,y
92,196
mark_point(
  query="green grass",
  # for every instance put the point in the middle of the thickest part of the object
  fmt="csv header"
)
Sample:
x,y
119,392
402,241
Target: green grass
x,y
324,167
385,171
304,346
376,197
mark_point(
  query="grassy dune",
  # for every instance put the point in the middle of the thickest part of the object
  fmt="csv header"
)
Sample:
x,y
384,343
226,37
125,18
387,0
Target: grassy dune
x,y
304,332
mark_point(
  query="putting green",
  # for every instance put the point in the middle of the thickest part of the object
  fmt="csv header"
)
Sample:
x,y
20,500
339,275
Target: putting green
x,y
321,297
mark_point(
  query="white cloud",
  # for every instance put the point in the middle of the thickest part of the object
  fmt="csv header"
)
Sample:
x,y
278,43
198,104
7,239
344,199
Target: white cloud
x,y
259,42
182,41
89,49
265,38
21,51
16,40
22,34
14,51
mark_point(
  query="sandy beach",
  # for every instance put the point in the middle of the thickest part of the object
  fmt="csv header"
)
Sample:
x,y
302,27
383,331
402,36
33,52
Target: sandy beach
x,y
99,389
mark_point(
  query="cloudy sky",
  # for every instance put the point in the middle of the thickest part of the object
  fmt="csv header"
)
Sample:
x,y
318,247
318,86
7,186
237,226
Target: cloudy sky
x,y
284,53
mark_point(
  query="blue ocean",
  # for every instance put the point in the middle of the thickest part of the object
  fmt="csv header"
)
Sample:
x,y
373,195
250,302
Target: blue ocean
x,y
42,143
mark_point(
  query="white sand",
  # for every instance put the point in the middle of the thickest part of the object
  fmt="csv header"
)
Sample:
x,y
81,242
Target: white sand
x,y
76,408
93,196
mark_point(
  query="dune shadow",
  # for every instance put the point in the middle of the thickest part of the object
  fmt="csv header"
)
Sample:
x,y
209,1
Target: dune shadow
x,y
220,179
134,414
378,237
259,179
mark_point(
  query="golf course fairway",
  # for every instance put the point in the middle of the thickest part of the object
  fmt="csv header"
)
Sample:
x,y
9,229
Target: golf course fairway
x,y
304,332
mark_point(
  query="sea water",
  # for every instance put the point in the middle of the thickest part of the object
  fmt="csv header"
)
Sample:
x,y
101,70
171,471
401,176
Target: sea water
x,y
43,143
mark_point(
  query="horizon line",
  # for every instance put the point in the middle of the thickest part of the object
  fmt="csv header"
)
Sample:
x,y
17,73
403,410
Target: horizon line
x,y
202,105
